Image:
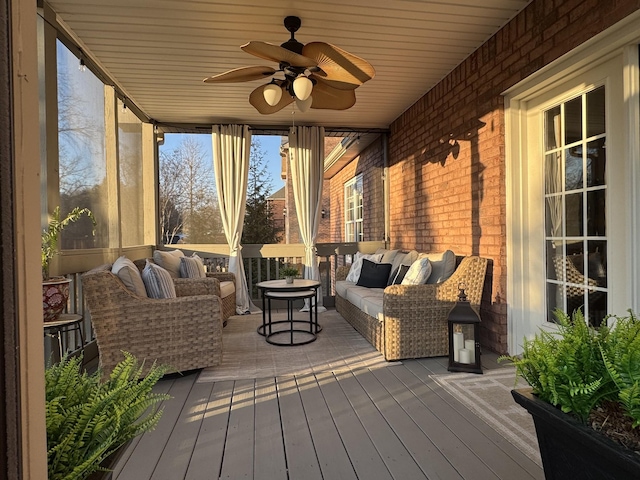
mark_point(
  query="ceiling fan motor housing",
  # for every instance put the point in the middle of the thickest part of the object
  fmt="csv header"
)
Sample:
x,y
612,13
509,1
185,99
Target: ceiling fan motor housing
x,y
292,24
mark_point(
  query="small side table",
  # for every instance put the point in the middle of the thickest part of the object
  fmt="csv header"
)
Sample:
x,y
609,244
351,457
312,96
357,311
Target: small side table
x,y
67,322
310,331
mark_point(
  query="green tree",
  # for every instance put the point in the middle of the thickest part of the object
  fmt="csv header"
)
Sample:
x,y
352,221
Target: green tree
x,y
259,226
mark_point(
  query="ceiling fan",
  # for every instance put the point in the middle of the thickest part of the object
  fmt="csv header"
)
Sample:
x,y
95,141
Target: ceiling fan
x,y
316,75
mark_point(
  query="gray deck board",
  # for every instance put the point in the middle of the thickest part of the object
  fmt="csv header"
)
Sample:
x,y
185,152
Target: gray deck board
x,y
149,450
370,424
208,451
238,455
269,461
182,441
457,455
364,457
301,456
332,456
397,458
426,455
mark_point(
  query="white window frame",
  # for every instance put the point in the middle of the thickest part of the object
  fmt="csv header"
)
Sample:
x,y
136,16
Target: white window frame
x,y
353,203
525,247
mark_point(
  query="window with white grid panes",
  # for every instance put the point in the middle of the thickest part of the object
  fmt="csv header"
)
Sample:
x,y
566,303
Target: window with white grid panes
x,y
575,206
353,199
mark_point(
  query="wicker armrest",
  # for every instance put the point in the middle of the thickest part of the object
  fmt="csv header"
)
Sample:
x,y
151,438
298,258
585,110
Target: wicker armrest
x,y
183,333
196,286
223,276
415,316
342,272
471,273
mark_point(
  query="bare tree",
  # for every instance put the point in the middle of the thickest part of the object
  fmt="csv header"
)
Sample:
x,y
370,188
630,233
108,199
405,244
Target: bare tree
x,y
188,203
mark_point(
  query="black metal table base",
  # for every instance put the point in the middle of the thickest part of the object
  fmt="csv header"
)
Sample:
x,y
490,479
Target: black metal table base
x,y
290,336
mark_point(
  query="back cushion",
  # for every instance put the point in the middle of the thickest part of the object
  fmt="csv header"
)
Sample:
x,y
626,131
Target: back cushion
x,y
443,265
170,261
126,271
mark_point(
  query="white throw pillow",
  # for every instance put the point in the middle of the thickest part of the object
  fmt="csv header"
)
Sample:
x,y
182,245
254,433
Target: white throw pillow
x,y
157,281
169,260
191,267
127,271
418,273
356,266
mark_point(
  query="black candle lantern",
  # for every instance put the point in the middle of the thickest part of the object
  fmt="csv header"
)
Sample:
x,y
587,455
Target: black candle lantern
x,y
464,336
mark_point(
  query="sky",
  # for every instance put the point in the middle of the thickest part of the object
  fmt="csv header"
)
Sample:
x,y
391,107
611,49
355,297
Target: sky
x,y
270,145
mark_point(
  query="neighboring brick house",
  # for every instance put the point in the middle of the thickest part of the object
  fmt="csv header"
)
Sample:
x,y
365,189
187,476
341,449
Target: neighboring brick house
x,y
449,157
291,229
275,204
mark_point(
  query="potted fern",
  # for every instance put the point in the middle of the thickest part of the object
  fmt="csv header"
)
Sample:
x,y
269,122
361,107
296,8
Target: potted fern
x,y
89,418
584,397
55,291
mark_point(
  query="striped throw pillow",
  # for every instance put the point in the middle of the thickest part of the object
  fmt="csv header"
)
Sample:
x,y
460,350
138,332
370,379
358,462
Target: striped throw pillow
x,y
158,282
191,267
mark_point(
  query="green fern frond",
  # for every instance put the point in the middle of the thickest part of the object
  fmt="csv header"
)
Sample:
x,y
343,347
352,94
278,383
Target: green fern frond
x,y
87,420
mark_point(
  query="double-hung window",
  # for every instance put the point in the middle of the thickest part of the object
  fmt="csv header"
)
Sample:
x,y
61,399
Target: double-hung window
x,y
353,210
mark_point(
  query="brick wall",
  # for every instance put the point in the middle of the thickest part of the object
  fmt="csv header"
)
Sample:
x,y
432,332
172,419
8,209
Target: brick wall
x,y
370,164
447,151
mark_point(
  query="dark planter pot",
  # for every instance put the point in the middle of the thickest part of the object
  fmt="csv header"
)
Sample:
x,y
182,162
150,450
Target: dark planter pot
x,y
570,449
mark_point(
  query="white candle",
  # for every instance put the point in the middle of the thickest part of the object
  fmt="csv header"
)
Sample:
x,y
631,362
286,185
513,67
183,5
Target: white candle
x,y
458,343
471,346
465,355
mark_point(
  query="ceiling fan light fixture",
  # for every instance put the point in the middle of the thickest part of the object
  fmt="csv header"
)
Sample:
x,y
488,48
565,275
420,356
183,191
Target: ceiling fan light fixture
x,y
272,94
302,87
304,105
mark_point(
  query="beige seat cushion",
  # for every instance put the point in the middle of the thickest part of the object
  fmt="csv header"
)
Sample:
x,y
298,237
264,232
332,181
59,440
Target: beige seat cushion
x,y
227,288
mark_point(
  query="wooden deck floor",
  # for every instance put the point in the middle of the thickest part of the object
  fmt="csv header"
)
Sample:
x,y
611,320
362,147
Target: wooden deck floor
x,y
386,423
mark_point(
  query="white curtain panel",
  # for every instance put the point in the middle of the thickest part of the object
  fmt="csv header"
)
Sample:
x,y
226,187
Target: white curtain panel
x,y
231,153
306,166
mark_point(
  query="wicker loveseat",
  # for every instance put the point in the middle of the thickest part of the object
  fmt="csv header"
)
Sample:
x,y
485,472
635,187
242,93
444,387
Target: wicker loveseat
x,y
413,322
183,333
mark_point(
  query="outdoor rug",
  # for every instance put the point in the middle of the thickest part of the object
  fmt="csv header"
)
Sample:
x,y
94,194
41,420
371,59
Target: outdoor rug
x,y
246,355
489,397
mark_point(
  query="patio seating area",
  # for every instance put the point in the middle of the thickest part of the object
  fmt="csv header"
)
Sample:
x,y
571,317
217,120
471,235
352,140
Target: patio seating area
x,y
390,422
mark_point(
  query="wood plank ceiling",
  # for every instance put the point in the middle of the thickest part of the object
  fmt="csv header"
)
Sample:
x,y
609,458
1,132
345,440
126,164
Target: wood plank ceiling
x,y
159,51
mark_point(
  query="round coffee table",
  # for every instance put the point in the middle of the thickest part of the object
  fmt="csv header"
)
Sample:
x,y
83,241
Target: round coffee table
x,y
281,290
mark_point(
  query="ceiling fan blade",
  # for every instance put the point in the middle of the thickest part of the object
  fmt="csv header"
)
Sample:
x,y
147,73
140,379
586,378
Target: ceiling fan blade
x,y
329,98
276,53
242,74
260,104
339,65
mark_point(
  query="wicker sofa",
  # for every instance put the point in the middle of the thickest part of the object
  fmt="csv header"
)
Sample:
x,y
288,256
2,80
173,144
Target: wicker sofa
x,y
412,320
183,333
